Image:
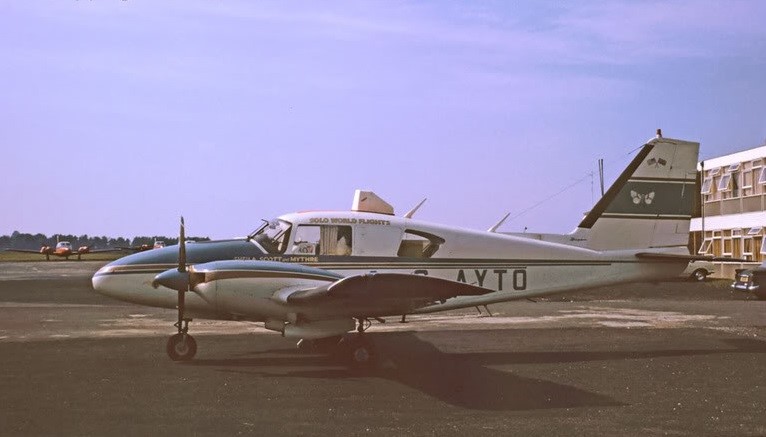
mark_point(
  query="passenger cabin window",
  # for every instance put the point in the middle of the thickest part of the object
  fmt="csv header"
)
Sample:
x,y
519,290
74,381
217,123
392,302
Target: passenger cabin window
x,y
418,244
322,240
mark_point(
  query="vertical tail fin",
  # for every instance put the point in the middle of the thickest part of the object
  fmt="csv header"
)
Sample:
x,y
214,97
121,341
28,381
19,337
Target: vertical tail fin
x,y
650,205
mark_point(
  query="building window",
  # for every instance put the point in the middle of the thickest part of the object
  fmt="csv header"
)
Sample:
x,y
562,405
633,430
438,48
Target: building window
x,y
705,248
707,185
727,246
754,231
733,167
736,232
714,172
725,183
747,179
747,246
763,246
762,176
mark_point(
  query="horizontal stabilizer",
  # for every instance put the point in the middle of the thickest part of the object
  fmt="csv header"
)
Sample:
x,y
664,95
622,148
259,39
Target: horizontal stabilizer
x,y
678,257
375,286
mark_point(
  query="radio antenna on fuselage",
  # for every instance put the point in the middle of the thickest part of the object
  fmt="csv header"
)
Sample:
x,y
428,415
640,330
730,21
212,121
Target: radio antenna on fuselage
x,y
497,225
411,212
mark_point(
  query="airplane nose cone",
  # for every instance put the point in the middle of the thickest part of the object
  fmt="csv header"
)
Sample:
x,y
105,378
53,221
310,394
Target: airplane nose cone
x,y
98,284
172,279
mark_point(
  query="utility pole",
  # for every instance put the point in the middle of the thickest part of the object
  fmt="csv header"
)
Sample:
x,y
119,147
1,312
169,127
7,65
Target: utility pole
x,y
601,174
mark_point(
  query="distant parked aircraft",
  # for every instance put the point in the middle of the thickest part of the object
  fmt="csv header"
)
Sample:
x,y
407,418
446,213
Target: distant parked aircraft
x,y
64,249
158,244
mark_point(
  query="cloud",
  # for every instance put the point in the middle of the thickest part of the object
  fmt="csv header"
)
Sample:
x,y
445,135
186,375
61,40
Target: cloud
x,y
644,32
607,32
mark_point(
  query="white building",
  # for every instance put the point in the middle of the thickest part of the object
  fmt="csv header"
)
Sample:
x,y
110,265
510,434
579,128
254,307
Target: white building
x,y
733,209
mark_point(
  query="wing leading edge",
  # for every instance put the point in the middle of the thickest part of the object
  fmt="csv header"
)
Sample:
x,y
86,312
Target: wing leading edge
x,y
375,295
375,286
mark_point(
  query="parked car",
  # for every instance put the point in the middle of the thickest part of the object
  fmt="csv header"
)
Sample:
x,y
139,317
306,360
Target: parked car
x,y
752,280
698,270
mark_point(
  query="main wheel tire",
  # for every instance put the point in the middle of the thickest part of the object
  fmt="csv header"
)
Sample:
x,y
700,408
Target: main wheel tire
x,y
181,347
699,275
360,353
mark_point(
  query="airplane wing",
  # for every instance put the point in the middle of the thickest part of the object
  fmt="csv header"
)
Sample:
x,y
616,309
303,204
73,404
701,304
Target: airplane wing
x,y
332,295
375,295
102,250
377,288
23,250
131,248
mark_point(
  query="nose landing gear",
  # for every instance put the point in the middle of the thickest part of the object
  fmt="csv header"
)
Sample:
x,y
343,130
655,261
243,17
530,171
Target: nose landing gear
x,y
181,346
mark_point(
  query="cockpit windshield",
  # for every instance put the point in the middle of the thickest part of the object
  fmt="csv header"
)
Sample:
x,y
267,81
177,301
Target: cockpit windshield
x,y
272,236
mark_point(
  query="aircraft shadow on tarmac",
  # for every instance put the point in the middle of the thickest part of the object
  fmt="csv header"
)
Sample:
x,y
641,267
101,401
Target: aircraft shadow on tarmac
x,y
459,379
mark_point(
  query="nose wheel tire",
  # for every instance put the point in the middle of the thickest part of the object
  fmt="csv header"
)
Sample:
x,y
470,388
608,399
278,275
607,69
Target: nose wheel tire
x,y
181,347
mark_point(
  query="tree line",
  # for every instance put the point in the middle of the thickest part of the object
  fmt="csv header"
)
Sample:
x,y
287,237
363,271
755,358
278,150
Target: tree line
x,y
19,240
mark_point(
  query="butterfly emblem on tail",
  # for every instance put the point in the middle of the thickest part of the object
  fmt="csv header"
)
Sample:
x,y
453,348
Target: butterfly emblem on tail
x,y
656,162
639,198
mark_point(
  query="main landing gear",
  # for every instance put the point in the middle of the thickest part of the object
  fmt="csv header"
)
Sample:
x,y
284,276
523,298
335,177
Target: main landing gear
x,y
356,349
353,349
359,352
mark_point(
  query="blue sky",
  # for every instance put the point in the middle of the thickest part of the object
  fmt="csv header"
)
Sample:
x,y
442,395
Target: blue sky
x,y
119,116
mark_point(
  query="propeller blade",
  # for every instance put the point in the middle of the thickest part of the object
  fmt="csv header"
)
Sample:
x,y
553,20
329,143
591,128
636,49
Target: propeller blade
x,y
182,247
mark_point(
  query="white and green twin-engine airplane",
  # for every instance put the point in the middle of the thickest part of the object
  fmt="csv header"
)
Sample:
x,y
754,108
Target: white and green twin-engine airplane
x,y
319,275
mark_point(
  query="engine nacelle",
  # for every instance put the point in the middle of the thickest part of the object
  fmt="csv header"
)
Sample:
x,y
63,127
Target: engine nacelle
x,y
318,329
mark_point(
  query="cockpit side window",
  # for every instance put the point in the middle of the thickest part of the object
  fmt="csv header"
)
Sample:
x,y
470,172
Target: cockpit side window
x,y
419,244
273,236
322,240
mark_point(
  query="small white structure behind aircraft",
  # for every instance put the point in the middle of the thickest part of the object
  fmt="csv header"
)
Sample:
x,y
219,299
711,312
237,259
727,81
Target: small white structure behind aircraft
x,y
317,275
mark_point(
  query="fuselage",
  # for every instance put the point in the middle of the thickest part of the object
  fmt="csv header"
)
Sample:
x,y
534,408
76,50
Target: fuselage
x,y
63,248
313,248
